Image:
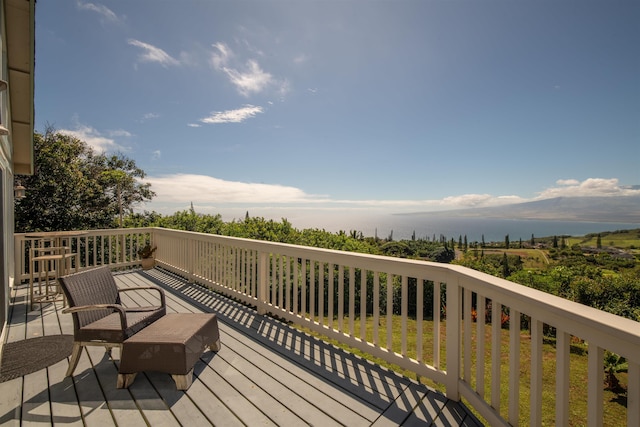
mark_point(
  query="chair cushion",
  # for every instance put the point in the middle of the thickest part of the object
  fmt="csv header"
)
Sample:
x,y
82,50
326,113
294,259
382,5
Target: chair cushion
x,y
109,329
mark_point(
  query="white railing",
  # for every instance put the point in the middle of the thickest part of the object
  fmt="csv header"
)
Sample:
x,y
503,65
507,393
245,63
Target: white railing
x,y
347,296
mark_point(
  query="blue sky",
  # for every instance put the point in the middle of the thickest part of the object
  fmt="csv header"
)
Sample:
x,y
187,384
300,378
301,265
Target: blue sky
x,y
326,107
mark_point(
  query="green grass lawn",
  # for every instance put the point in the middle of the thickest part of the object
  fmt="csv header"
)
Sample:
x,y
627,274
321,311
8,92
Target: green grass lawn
x,y
533,259
614,404
625,239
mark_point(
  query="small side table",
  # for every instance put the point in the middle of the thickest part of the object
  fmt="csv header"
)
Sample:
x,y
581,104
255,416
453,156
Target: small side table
x,y
51,262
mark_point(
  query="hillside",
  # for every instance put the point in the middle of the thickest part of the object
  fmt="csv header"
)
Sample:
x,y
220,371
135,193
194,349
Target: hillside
x,y
593,209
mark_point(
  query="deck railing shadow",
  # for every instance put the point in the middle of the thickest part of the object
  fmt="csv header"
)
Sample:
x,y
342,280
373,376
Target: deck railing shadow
x,y
326,291
95,382
389,393
61,391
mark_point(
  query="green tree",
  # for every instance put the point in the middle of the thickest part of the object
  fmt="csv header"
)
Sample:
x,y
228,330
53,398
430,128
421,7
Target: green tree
x,y
191,221
396,249
505,265
122,183
145,219
599,241
74,188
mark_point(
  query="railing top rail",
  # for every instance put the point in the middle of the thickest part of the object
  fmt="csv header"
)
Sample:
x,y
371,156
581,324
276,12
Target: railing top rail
x,y
608,330
613,332
94,232
181,250
605,329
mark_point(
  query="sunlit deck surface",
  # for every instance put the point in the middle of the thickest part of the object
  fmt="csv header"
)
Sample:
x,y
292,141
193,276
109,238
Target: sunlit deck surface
x,y
266,373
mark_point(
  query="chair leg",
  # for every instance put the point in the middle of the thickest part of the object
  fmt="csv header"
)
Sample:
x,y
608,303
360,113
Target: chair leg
x,y
108,349
75,357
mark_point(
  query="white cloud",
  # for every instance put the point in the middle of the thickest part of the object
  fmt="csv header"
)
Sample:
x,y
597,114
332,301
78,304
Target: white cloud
x,y
590,187
283,88
184,188
220,57
153,54
233,116
207,189
467,200
95,139
251,80
120,133
175,192
102,10
156,155
300,59
567,182
248,77
150,116
194,125
505,200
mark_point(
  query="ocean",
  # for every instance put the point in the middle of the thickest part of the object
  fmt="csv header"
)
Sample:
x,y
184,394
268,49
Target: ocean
x,y
426,226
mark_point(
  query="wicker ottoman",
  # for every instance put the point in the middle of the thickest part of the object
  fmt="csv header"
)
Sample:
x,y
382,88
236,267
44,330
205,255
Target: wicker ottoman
x,y
172,344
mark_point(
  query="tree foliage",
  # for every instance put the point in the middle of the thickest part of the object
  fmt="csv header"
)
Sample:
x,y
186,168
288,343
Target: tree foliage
x,y
601,281
283,231
74,188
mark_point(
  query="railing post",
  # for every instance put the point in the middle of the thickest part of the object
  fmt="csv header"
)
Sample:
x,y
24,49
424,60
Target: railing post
x,y
191,260
595,376
453,301
633,395
262,282
535,419
562,378
152,240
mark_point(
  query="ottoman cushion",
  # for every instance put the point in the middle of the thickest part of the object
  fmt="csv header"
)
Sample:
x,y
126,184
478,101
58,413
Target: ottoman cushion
x,y
173,344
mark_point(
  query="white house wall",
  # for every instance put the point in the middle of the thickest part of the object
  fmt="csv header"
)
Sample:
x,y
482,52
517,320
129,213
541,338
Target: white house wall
x,y
17,40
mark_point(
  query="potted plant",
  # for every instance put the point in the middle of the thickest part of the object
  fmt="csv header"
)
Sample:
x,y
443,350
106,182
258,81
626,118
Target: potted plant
x,y
146,255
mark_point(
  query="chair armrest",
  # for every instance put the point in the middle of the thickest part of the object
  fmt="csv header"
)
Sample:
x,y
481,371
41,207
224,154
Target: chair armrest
x,y
116,307
152,288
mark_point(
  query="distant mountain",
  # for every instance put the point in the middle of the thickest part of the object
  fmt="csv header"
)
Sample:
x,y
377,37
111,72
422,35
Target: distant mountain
x,y
624,209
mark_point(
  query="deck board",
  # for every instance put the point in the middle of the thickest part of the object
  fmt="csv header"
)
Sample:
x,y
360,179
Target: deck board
x,y
267,373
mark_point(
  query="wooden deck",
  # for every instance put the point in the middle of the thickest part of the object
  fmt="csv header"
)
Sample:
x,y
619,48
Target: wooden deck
x,y
267,373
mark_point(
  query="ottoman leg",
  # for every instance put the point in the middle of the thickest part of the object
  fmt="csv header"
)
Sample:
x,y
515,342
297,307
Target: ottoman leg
x,y
216,346
125,380
183,382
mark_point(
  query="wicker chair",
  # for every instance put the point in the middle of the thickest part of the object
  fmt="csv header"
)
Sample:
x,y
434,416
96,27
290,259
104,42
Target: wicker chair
x,y
99,318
